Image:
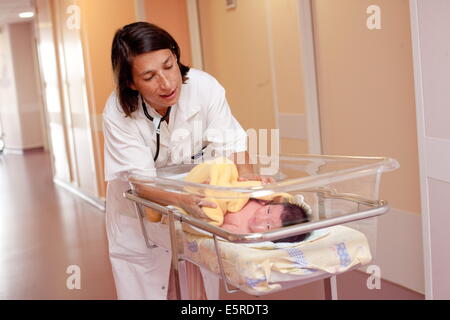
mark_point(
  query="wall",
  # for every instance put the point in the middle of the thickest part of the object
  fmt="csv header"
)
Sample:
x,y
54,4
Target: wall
x,y
235,51
172,16
21,107
28,97
283,30
9,112
254,51
367,108
366,77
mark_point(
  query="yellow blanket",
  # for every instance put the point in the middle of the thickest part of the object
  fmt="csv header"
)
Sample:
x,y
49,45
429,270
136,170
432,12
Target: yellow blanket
x,y
220,172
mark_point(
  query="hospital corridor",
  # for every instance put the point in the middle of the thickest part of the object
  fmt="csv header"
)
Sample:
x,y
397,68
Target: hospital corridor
x,y
224,150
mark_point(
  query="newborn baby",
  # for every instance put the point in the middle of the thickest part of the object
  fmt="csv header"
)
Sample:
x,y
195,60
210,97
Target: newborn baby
x,y
260,216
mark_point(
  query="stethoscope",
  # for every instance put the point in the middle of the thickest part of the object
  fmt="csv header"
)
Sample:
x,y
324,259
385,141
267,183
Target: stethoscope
x,y
157,123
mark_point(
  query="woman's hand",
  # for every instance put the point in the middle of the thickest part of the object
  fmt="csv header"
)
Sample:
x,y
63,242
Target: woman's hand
x,y
194,204
252,176
245,168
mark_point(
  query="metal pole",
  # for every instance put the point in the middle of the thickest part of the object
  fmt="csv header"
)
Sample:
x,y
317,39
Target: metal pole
x,y
174,247
330,285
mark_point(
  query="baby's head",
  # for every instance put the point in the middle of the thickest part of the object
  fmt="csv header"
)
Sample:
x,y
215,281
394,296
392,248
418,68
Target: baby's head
x,y
275,215
293,214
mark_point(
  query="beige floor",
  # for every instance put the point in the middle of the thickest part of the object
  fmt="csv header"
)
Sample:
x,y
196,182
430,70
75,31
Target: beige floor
x,y
44,230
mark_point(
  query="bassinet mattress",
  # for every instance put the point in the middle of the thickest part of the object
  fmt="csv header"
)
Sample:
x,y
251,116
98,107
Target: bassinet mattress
x,y
260,267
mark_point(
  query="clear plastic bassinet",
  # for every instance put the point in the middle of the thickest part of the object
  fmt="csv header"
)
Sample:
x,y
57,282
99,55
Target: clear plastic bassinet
x,y
341,190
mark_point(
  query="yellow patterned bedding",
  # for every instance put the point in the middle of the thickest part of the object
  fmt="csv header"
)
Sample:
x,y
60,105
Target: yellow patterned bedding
x,y
251,266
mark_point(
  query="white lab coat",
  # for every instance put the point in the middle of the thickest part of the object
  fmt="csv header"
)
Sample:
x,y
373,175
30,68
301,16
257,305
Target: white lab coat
x,y
201,118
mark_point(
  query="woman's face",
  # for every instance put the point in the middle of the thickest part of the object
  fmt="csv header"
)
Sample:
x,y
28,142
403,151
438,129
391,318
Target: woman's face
x,y
157,77
266,218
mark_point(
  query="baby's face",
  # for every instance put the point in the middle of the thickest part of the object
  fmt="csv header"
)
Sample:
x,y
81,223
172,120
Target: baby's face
x,y
266,218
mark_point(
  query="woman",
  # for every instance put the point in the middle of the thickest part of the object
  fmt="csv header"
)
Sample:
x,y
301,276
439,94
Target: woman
x,y
161,113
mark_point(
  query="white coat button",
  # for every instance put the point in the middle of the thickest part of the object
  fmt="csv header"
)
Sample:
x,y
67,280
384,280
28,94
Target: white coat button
x,y
163,287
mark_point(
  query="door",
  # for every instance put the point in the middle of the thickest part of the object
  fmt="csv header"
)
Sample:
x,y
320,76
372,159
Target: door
x,y
429,28
51,92
76,108
261,51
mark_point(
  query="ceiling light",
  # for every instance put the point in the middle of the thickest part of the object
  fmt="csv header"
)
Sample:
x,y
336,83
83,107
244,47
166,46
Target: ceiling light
x,y
27,14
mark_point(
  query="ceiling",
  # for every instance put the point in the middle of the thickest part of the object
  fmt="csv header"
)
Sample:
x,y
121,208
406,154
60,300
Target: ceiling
x,y
10,9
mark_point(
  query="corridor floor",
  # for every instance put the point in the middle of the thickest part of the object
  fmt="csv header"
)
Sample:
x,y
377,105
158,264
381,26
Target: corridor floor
x,y
44,230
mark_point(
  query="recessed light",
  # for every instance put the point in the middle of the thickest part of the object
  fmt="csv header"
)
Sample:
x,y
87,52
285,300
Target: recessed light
x,y
27,14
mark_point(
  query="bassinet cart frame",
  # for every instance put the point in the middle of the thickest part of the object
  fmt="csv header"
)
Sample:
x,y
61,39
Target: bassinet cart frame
x,y
375,208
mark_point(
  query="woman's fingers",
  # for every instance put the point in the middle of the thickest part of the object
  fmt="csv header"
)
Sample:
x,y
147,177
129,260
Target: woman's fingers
x,y
264,180
206,203
267,180
195,207
199,213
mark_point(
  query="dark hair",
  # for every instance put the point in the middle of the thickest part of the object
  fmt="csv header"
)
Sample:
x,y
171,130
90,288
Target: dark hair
x,y
129,42
292,214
